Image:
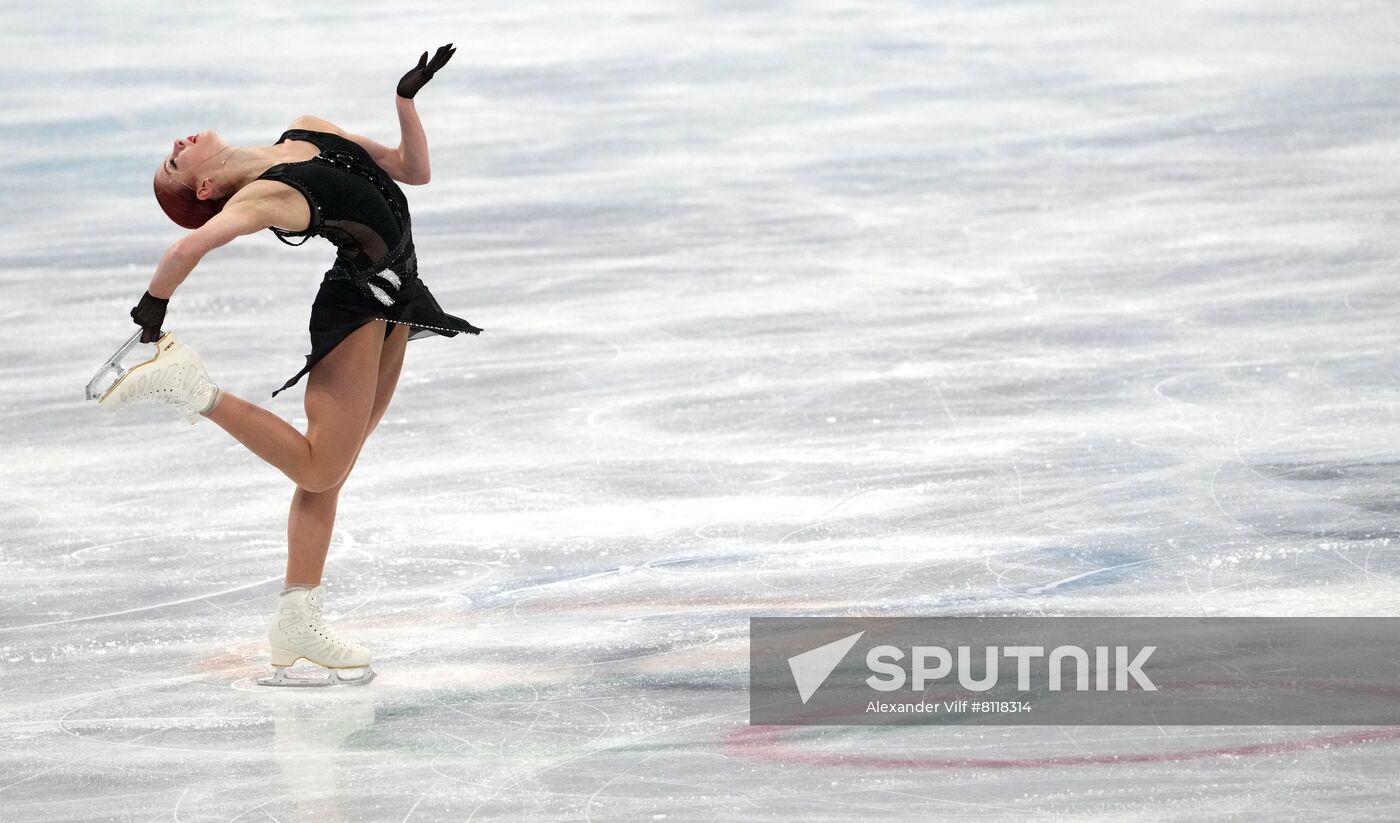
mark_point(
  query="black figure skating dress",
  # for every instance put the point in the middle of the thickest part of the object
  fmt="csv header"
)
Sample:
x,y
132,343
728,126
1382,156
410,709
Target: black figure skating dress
x,y
358,207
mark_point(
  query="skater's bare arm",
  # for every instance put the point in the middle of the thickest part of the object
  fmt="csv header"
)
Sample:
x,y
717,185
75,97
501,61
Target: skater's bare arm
x,y
409,162
413,146
184,254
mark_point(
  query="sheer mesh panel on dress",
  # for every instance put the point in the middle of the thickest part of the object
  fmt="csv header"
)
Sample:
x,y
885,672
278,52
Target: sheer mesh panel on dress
x,y
363,239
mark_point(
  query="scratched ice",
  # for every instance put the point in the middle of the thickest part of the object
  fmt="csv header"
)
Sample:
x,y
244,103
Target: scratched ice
x,y
813,308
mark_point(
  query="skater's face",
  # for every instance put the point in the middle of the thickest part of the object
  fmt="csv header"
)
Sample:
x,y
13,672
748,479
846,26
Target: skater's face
x,y
186,163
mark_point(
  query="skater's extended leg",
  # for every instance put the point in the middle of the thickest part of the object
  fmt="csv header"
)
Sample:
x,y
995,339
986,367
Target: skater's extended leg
x,y
312,516
340,392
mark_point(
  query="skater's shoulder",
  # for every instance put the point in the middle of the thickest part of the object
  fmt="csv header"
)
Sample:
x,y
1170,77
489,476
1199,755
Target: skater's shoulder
x,y
310,122
389,160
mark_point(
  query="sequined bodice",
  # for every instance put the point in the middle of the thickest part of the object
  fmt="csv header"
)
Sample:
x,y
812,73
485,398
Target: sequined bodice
x,y
355,205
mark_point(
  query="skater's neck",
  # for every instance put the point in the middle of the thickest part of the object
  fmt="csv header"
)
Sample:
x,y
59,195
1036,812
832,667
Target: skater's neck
x,y
250,162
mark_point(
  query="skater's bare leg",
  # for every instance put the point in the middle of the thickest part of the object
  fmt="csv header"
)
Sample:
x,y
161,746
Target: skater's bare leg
x,y
309,525
312,515
340,393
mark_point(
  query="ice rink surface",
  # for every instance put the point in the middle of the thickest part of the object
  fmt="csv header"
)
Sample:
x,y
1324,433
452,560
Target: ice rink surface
x,y
812,308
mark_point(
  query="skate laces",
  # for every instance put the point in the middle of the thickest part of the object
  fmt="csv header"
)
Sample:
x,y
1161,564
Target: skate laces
x,y
314,606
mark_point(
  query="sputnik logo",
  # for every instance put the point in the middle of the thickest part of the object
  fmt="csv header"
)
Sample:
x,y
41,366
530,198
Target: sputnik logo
x,y
811,669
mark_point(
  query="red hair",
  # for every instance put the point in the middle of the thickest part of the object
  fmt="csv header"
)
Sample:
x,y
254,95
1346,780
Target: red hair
x,y
181,205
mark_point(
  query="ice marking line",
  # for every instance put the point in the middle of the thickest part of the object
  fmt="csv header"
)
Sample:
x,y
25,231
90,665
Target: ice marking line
x,y
246,812
588,807
565,581
8,786
77,553
138,609
512,782
1058,583
34,510
413,808
176,811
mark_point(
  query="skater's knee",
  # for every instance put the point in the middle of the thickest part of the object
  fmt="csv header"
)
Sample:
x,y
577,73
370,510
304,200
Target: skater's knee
x,y
316,487
333,453
324,477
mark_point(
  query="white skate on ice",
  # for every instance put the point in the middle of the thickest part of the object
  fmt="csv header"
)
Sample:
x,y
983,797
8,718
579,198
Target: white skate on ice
x,y
299,632
175,375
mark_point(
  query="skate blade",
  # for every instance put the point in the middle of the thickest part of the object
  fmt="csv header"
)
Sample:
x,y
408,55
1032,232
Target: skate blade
x,y
114,369
334,677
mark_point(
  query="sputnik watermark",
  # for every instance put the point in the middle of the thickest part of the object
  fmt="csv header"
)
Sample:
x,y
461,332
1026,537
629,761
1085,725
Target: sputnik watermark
x,y
811,668
1073,670
890,675
950,707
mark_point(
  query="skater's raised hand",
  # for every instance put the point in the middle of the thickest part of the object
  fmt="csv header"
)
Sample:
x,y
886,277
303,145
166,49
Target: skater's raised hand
x,y
149,314
419,75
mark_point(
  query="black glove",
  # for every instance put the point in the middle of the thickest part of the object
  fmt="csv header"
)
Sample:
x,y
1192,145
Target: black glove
x,y
419,75
149,314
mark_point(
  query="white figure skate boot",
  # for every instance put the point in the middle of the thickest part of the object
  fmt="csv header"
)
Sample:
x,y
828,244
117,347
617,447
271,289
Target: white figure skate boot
x,y
175,375
299,632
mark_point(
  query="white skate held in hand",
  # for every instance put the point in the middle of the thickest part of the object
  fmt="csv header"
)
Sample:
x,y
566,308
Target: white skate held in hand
x,y
174,375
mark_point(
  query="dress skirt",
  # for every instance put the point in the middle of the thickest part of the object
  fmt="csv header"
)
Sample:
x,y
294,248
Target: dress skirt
x,y
340,308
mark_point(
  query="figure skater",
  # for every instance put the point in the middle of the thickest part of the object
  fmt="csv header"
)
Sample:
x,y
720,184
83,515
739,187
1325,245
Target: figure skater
x,y
315,180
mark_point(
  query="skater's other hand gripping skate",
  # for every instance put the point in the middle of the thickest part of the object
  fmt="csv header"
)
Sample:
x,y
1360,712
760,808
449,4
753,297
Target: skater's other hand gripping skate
x,y
149,314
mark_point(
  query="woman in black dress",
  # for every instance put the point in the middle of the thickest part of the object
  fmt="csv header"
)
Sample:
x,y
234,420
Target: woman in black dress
x,y
315,180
